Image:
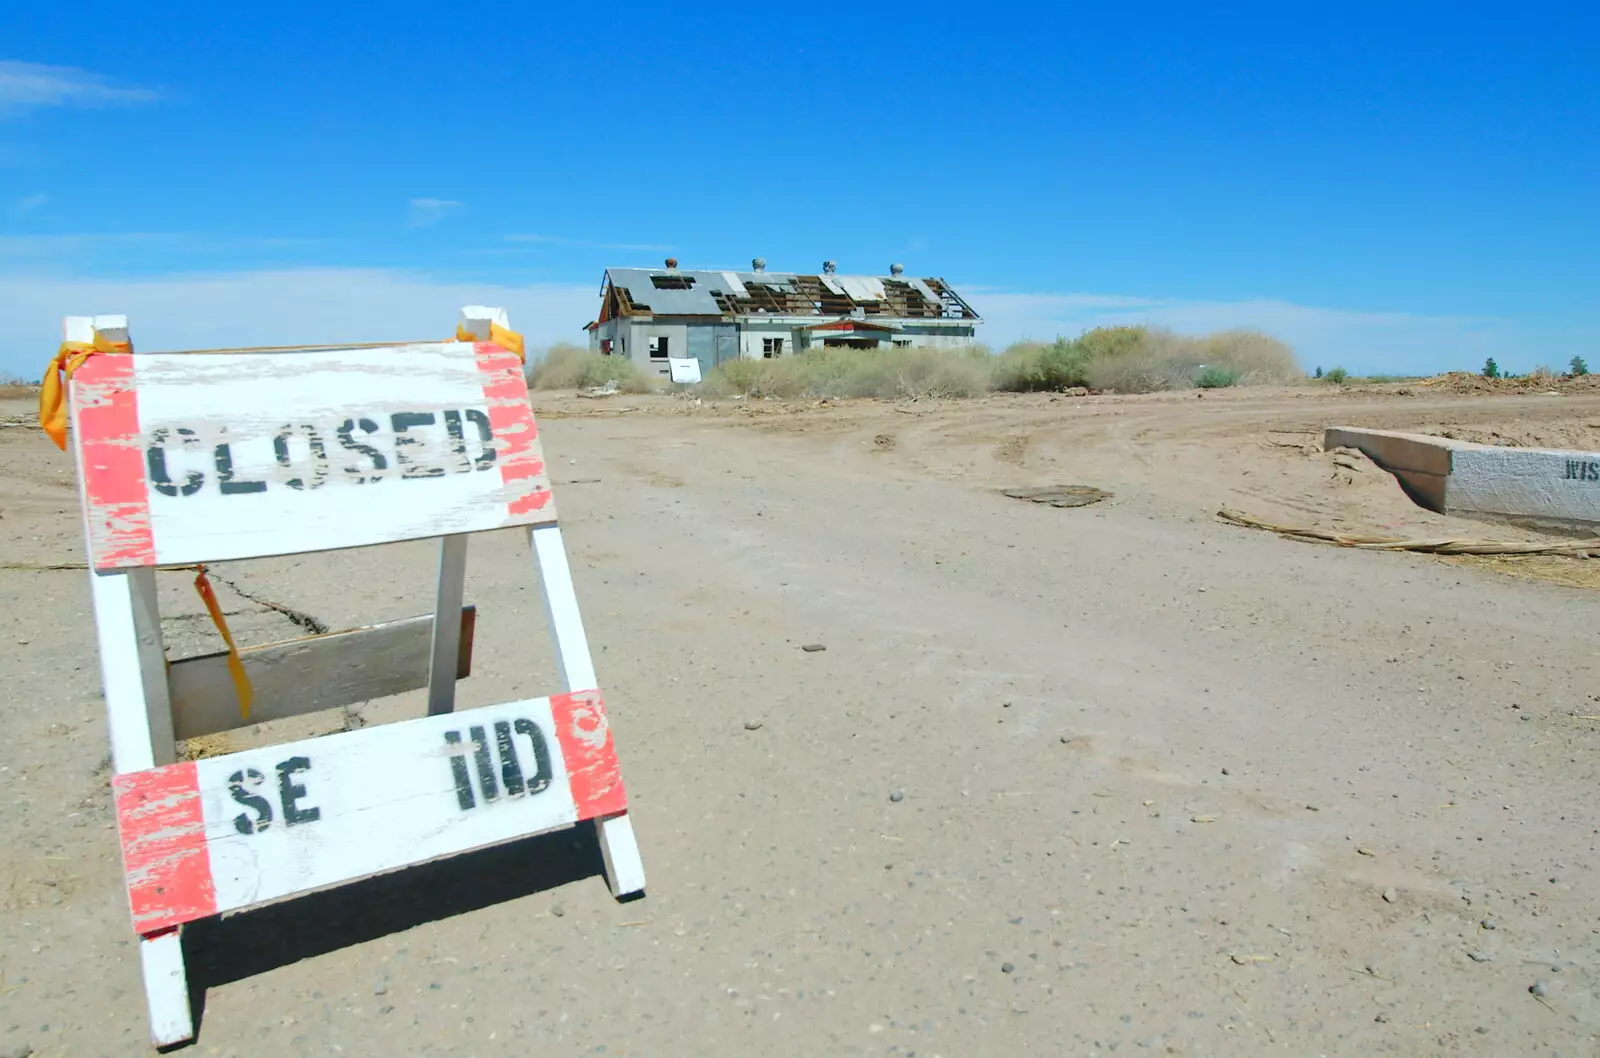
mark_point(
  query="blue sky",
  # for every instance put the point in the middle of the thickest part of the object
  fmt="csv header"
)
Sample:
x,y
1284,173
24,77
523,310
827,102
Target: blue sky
x,y
1397,187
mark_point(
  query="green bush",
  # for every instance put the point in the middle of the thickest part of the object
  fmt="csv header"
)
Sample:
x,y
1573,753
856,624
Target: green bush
x,y
887,374
1210,377
1337,376
1577,368
1029,367
573,367
1491,369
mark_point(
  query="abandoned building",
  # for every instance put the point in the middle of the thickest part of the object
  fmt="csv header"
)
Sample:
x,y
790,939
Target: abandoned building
x,y
650,315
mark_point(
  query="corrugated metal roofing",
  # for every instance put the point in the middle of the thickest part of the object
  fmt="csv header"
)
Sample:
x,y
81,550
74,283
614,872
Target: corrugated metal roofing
x,y
697,293
696,301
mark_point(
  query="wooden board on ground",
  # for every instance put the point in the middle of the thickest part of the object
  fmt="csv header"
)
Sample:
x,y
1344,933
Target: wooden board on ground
x,y
310,674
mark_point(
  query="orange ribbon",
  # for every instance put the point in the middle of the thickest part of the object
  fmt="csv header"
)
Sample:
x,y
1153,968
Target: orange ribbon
x,y
241,682
53,391
504,337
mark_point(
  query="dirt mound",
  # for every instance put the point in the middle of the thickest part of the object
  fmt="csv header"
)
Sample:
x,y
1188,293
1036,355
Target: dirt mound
x,y
1467,382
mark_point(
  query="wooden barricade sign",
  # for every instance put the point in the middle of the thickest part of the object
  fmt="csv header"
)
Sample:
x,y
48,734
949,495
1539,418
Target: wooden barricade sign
x,y
191,458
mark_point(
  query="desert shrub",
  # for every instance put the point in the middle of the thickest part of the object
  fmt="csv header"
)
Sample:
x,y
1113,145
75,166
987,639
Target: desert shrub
x,y
1210,377
1157,360
1103,342
1577,368
573,367
887,374
1390,378
1337,376
1542,372
1028,367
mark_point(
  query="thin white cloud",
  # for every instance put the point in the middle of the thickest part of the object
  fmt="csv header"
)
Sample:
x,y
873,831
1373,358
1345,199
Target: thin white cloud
x,y
29,203
585,244
426,212
54,246
30,85
280,307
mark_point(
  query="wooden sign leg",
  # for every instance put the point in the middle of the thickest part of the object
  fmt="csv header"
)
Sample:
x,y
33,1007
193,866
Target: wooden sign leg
x,y
624,868
139,715
447,624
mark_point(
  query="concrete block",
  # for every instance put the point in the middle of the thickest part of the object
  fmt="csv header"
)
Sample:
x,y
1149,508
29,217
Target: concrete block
x,y
1546,488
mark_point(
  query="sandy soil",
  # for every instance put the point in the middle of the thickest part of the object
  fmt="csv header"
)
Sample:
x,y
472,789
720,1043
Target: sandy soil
x,y
1170,786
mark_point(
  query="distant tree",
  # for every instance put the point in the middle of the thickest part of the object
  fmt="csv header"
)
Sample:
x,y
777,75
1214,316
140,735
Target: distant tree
x,y
1337,376
1579,367
1318,374
1491,369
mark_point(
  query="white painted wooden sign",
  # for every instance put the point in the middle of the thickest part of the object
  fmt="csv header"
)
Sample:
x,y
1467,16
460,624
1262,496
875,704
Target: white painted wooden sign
x,y
201,457
684,370
224,833
189,458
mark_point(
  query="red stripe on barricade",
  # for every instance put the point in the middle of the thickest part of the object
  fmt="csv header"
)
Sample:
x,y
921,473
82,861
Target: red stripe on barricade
x,y
164,852
514,428
114,483
592,769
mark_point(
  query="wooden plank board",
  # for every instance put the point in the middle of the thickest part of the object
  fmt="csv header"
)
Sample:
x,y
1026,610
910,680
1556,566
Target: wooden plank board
x,y
188,458
203,837
308,675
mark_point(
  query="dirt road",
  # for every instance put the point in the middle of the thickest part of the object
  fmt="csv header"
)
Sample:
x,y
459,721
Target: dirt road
x,y
1169,786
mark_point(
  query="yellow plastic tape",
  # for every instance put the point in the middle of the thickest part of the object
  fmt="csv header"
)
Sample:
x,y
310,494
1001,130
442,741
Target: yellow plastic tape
x,y
504,337
241,682
53,391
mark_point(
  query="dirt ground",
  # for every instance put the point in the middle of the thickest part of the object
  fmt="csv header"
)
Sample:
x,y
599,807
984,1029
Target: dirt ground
x,y
1170,786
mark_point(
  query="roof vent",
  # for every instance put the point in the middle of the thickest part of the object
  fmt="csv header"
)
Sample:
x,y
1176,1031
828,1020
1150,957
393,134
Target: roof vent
x,y
672,262
829,267
897,269
759,264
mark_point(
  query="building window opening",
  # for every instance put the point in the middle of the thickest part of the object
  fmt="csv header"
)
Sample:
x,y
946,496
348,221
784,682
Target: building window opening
x,y
771,347
658,348
605,347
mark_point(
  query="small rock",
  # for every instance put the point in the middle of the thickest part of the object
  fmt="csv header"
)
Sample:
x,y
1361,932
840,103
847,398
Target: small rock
x,y
1526,716
1065,740
1481,1030
1490,923
1539,988
1225,771
558,911
381,988
752,725
386,1009
812,648
1477,955
1381,1019
1006,968
1312,808
897,796
1362,851
1391,895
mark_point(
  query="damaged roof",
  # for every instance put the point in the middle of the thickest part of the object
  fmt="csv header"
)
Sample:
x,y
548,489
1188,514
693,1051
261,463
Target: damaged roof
x,y
726,295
